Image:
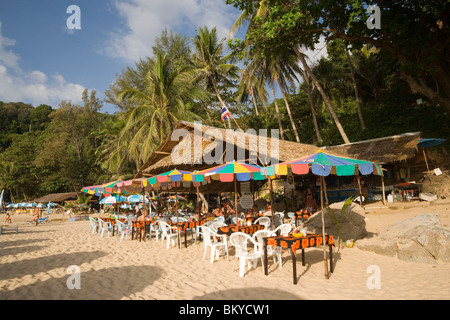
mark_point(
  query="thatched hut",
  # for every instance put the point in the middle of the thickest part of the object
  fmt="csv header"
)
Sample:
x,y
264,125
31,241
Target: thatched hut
x,y
193,147
384,150
59,198
196,147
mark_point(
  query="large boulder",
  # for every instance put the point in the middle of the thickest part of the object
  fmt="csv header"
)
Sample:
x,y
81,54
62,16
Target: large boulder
x,y
352,222
420,239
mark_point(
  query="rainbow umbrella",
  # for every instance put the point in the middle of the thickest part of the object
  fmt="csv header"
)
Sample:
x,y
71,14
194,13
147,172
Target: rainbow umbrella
x,y
174,179
101,188
323,164
234,171
177,197
130,186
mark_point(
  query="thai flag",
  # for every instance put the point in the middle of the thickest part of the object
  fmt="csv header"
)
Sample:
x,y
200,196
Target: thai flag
x,y
225,113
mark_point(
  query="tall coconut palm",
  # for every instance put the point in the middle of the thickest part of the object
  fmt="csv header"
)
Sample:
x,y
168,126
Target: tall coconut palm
x,y
300,55
311,104
355,88
163,102
249,84
210,63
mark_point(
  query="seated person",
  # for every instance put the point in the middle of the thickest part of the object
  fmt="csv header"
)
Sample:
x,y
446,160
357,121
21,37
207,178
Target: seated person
x,y
217,212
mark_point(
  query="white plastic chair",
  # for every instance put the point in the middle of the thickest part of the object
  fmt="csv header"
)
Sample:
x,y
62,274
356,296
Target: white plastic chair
x,y
274,252
122,230
264,221
104,225
220,218
168,233
155,228
94,225
217,224
291,216
279,218
284,229
240,241
180,219
198,229
214,241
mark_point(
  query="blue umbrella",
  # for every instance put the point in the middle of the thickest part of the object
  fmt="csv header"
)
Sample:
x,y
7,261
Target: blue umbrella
x,y
137,198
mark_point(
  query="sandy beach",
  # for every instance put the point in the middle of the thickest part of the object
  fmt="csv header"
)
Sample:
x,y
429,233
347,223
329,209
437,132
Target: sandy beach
x,y
34,265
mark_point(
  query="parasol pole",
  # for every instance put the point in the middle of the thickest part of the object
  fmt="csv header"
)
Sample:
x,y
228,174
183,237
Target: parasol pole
x,y
271,202
360,191
176,208
323,228
235,200
382,186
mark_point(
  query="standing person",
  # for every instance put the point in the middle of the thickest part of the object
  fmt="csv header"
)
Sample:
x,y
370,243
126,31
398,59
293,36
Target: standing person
x,y
36,215
310,201
8,217
141,218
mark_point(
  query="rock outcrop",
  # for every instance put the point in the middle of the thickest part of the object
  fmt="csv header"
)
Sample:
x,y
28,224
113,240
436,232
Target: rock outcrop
x,y
352,222
420,239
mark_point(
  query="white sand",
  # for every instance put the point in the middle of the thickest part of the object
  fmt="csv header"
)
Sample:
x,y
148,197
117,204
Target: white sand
x,y
34,262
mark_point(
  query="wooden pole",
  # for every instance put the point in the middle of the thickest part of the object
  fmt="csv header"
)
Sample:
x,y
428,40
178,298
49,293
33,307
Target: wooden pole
x,y
382,186
271,201
322,182
360,192
426,161
235,200
176,208
325,192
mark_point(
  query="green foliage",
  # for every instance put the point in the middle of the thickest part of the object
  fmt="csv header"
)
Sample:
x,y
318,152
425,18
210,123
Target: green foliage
x,y
338,218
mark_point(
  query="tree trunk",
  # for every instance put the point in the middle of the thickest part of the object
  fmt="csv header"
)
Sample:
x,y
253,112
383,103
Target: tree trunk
x,y
299,53
277,111
358,100
297,138
417,88
254,102
313,111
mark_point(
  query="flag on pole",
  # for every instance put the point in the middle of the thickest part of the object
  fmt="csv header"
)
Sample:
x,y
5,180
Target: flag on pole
x,y
225,113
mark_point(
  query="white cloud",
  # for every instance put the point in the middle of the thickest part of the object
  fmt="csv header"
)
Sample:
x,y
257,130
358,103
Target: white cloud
x,y
33,87
144,21
7,57
319,51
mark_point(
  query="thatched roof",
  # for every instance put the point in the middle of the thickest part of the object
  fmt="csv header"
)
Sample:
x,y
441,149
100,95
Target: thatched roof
x,y
382,150
181,154
179,151
57,197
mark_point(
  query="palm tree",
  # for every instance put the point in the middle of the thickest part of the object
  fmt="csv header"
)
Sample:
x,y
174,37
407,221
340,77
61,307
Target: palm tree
x,y
249,84
355,88
311,104
300,55
210,63
163,102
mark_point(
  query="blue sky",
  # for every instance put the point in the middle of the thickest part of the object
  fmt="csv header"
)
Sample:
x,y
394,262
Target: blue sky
x,y
43,62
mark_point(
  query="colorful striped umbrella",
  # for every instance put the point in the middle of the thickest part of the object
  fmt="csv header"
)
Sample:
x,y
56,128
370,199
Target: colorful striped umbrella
x,y
177,197
235,171
101,188
174,179
323,164
232,171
